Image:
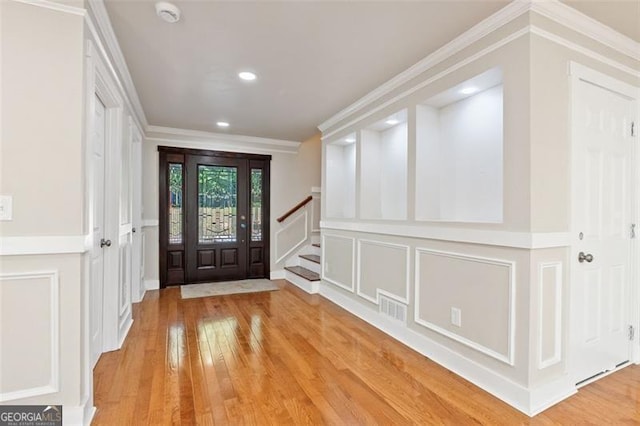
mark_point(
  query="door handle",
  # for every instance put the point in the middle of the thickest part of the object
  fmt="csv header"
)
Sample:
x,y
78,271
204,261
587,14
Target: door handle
x,y
104,242
582,257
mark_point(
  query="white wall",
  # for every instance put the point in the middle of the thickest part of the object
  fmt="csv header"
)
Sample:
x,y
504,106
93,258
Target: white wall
x,y
341,160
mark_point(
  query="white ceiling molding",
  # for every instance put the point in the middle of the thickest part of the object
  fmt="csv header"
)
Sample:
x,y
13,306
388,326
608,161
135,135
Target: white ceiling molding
x,y
552,9
579,22
113,47
221,141
475,33
47,4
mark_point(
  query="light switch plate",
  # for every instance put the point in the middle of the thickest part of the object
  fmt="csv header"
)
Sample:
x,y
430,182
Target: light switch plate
x,y
6,207
456,317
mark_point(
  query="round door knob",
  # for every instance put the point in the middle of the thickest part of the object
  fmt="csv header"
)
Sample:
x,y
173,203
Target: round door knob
x,y
582,257
104,242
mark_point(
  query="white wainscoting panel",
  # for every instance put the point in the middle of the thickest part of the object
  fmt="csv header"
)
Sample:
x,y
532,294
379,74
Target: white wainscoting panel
x,y
30,330
338,260
549,314
383,268
482,288
292,235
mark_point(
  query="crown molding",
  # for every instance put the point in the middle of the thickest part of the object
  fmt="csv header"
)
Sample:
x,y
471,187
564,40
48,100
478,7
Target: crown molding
x,y
585,25
551,9
475,33
103,25
197,138
52,5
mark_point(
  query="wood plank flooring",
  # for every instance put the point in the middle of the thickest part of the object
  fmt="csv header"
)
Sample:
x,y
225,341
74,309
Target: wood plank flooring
x,y
285,357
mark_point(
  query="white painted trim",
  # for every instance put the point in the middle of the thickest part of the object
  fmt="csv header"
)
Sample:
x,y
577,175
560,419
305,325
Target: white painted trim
x,y
592,76
316,199
78,414
52,5
552,9
316,190
323,257
403,95
72,244
54,293
402,299
277,275
509,357
583,50
557,344
149,223
583,24
551,393
151,285
489,237
120,71
288,225
477,32
499,386
222,141
311,287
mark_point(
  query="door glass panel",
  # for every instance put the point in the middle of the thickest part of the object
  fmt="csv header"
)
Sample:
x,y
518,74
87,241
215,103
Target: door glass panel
x,y
175,203
256,204
217,203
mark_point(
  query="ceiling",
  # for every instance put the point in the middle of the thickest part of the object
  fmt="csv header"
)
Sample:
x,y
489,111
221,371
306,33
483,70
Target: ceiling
x,y
312,58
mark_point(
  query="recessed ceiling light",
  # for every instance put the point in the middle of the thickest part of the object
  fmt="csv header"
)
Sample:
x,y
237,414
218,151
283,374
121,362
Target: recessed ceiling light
x,y
247,75
168,12
222,124
392,122
350,140
468,90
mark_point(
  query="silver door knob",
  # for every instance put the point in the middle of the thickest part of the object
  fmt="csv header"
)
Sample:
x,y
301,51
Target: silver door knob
x,y
104,242
582,257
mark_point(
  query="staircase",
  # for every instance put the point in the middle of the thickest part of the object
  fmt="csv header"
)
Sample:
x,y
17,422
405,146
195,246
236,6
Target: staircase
x,y
304,271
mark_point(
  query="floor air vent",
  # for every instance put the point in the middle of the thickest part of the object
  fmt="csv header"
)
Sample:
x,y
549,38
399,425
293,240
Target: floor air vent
x,y
393,309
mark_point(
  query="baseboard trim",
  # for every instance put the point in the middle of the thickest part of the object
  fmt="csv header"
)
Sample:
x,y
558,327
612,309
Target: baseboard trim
x,y
529,402
311,287
277,275
151,285
78,414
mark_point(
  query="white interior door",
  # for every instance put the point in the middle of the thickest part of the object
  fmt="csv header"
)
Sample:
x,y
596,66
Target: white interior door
x,y
98,220
136,258
602,203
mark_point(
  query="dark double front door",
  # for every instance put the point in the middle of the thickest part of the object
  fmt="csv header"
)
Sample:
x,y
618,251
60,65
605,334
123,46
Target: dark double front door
x,y
213,216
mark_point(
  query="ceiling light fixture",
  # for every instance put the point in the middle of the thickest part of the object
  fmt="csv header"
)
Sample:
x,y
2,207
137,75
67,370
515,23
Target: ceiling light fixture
x,y
247,75
392,122
350,140
222,124
168,12
468,90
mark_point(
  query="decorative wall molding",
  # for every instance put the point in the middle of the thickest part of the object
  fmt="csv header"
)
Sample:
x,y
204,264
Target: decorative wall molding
x,y
507,358
555,291
552,9
52,5
402,299
54,293
525,240
221,141
583,24
304,215
475,33
323,274
35,245
121,71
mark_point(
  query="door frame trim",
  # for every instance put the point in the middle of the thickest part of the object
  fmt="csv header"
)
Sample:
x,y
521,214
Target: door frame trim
x,y
577,73
165,151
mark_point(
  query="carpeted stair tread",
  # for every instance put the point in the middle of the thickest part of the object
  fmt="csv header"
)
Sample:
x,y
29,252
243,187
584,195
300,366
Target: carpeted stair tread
x,y
303,272
311,258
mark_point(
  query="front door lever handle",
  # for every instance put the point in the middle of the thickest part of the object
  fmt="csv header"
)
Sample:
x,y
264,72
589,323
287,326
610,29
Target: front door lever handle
x,y
585,257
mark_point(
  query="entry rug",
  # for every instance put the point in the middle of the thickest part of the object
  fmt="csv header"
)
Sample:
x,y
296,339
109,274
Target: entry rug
x,y
191,291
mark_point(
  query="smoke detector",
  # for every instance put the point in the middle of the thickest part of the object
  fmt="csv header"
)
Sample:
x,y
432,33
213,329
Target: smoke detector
x,y
168,12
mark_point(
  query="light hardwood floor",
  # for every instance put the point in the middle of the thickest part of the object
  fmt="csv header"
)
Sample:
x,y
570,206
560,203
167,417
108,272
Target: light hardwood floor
x,y
285,357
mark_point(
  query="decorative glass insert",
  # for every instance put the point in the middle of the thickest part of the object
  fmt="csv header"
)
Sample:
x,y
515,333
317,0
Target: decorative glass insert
x,y
256,204
217,203
175,203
